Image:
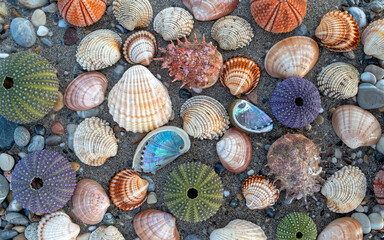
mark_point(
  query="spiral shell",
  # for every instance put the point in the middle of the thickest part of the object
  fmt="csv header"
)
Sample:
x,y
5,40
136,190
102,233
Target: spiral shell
x,y
260,192
342,229
372,39
133,14
239,229
207,10
57,225
106,233
82,13
140,48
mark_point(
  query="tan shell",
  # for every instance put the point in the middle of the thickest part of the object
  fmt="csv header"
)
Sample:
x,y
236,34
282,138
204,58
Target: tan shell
x,y
139,102
106,233
342,229
94,141
372,39
99,49
345,189
207,10
173,23
260,192
232,32
239,229
356,127
339,80
57,225
140,48
133,14
204,117
292,57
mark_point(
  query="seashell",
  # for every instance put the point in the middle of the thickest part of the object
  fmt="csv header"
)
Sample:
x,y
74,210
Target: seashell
x,y
339,80
356,127
173,23
260,192
232,32
106,233
128,190
239,229
372,39
57,225
140,48
204,117
159,148
90,202
94,141
378,187
139,102
240,75
207,10
342,228
152,224
235,150
248,118
296,226
338,32
86,91
292,57
133,14
99,49
82,13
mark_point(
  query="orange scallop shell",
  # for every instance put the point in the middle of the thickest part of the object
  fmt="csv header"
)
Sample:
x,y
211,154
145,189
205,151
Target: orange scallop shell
x,y
260,192
82,13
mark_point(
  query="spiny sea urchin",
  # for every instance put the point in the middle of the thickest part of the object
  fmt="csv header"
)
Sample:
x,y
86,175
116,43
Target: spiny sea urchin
x,y
296,226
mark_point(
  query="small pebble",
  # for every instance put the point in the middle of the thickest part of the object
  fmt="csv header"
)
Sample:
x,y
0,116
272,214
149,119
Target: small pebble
x,y
363,220
302,30
21,136
253,97
227,193
33,3
375,70
219,168
376,6
38,18
31,231
152,199
109,219
353,155
151,183
158,76
71,128
334,160
22,32
84,236
368,77
57,128
91,228
118,72
17,219
338,153
366,209
359,209
192,237
350,55
75,165
197,90
59,104
4,188
21,236
359,154
376,220
380,84
321,110
88,113
319,120
267,146
62,23
39,130
19,229
51,8
380,145
42,31
234,203
14,206
359,16
370,97
270,212
8,234
37,143
308,127
4,9
53,140
184,93
6,162
251,172
376,208
70,36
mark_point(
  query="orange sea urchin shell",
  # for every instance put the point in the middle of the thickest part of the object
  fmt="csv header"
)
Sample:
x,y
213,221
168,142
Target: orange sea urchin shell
x,y
82,13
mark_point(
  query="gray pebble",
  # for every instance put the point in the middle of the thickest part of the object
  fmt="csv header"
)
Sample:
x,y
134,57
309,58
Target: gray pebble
x,y
4,188
46,42
31,231
23,32
152,186
368,77
118,72
71,128
62,23
37,143
380,84
376,6
51,8
359,209
33,3
6,162
9,234
375,70
40,129
53,140
302,30
109,219
363,220
21,136
22,154
234,203
91,228
14,206
370,97
88,113
380,145
17,219
338,153
1,27
267,146
350,55
192,237
359,16
351,2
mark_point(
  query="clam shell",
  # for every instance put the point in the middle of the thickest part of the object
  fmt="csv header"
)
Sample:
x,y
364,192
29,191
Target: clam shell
x,y
378,187
342,229
207,10
140,48
232,32
260,192
239,229
173,23
57,225
292,57
372,39
82,13
106,233
133,14
356,127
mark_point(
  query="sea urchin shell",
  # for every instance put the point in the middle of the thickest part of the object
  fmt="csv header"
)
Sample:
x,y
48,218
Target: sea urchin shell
x,y
296,226
82,13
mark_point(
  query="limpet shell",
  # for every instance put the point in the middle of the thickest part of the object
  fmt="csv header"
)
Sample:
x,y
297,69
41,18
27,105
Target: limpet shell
x,y
133,14
260,192
106,233
207,10
342,229
372,39
239,229
56,226
140,48
82,13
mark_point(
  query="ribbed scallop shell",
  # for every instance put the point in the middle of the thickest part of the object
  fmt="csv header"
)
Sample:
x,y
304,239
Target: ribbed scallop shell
x,y
106,233
345,189
292,57
128,190
173,23
140,48
356,127
139,102
232,32
260,192
99,49
153,224
239,229
56,226
94,141
342,229
133,13
82,13
372,39
378,187
204,117
207,10
338,31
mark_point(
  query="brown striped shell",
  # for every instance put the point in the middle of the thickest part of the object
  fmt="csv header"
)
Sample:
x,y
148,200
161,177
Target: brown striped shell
x,y
56,226
133,14
140,48
372,39
207,10
239,229
260,192
82,13
378,187
106,233
342,229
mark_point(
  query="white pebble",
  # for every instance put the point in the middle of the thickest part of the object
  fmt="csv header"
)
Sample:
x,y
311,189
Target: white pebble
x,y
251,172
4,55
376,220
227,193
359,154
42,31
334,160
321,110
91,228
363,220
338,153
158,76
38,18
6,162
62,23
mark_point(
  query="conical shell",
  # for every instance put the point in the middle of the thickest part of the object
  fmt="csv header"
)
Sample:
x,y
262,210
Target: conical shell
x,y
99,49
338,31
260,192
342,229
139,102
133,14
232,32
173,23
345,189
56,226
82,13
155,225
94,141
292,57
372,39
207,10
128,190
140,48
106,233
356,127
239,229
204,117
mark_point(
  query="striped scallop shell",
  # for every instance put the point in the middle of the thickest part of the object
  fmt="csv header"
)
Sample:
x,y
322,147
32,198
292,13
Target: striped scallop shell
x,y
260,192
133,14
99,49
106,233
372,39
207,10
56,226
342,229
140,48
82,13
239,229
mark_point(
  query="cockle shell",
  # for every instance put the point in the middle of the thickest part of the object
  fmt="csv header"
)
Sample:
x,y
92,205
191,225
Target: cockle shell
x,y
342,229
173,23
153,224
292,57
356,127
232,32
82,13
372,39
106,233
378,187
239,229
140,48
345,189
94,141
133,14
204,117
99,49
139,102
56,226
260,192
207,10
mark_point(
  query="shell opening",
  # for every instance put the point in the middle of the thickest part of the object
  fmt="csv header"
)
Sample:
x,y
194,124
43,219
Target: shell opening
x,y
299,102
37,183
299,235
192,193
8,83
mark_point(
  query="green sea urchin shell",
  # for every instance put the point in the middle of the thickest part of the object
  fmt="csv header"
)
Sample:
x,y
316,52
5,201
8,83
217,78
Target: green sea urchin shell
x,y
193,192
296,226
28,87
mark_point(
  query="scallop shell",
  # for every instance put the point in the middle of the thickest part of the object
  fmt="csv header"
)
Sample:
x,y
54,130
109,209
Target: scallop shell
x,y
260,192
106,233
173,23
204,117
140,48
378,187
82,13
239,229
86,91
232,32
292,57
57,225
99,49
342,229
207,10
345,189
356,127
94,141
153,224
372,39
139,102
133,14
338,31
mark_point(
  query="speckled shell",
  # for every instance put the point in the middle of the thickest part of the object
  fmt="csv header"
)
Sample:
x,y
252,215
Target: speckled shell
x,y
356,127
207,10
56,226
345,189
139,102
232,32
99,49
204,117
94,141
140,48
292,57
82,13
153,224
106,233
133,14
378,187
372,39
342,229
173,23
260,192
239,229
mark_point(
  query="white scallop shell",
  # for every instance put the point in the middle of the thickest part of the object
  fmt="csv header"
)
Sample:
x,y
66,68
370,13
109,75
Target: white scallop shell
x,y
106,233
56,226
239,229
133,13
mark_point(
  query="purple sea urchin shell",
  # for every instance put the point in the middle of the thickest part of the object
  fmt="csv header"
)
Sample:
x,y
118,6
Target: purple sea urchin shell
x,y
43,181
295,102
